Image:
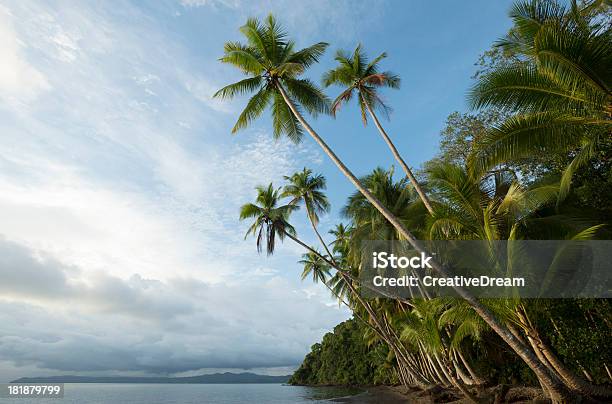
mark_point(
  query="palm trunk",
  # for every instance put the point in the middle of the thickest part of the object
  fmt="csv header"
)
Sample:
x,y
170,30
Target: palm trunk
x,y
457,383
314,227
419,379
558,391
400,160
477,379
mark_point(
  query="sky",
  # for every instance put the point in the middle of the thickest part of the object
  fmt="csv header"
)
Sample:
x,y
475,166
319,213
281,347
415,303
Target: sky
x,y
121,251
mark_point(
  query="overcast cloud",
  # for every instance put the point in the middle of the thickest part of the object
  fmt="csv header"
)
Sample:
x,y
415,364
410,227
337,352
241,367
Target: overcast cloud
x,y
120,249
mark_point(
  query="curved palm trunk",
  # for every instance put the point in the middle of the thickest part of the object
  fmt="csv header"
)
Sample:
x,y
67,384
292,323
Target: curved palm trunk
x,y
393,344
559,393
477,379
574,381
314,228
400,160
405,378
457,383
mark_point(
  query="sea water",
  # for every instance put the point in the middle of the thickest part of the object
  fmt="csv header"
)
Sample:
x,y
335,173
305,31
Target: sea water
x,y
102,393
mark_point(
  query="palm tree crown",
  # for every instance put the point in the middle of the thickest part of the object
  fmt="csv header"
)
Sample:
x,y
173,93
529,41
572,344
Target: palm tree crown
x,y
269,59
270,219
357,74
306,188
315,266
560,88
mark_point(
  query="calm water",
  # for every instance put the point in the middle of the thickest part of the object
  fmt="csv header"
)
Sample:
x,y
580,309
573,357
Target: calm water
x,y
189,394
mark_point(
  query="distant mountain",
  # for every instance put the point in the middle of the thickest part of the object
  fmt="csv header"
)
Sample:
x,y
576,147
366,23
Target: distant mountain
x,y
216,378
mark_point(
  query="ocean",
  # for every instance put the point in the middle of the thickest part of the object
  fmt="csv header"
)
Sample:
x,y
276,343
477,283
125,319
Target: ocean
x,y
103,393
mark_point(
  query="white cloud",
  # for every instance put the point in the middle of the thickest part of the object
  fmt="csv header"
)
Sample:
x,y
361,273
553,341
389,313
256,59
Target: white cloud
x,y
307,19
121,192
19,81
203,91
214,3
158,327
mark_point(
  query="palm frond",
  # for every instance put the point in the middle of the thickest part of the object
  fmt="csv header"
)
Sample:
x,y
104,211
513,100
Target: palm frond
x,y
372,67
239,88
574,58
245,58
254,108
308,56
255,34
523,135
309,96
284,121
523,88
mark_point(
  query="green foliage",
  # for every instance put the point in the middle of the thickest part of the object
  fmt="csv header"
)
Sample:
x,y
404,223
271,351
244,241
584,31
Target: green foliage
x,y
356,74
533,163
271,220
270,61
307,189
559,89
345,358
579,331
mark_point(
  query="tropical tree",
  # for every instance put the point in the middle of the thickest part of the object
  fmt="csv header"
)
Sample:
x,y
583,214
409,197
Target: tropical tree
x,y
270,61
274,67
307,189
315,267
502,209
341,235
559,88
271,220
360,76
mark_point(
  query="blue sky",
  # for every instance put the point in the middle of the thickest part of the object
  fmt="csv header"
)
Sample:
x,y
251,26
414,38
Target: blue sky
x,y
120,184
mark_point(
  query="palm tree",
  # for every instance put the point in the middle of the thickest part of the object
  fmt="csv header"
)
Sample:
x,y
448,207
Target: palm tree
x,y
316,267
560,89
341,235
272,64
271,220
503,209
307,189
358,76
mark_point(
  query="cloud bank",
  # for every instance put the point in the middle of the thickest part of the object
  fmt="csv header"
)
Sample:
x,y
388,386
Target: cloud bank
x,y
120,248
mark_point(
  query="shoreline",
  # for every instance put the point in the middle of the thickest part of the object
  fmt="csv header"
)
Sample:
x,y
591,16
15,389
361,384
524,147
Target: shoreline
x,y
375,395
437,394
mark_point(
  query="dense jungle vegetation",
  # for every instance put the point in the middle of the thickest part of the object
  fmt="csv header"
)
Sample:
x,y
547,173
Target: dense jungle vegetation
x,y
531,161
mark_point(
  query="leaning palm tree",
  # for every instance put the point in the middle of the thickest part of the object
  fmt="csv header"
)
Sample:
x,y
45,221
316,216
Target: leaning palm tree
x,y
560,89
315,267
271,220
364,78
307,189
274,66
503,209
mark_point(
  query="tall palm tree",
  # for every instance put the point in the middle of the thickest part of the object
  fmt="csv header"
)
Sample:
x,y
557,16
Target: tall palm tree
x,y
272,64
271,220
341,235
315,267
503,209
560,89
357,75
307,189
